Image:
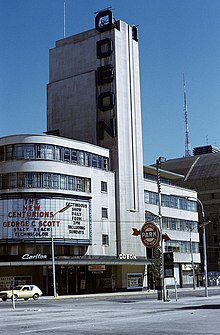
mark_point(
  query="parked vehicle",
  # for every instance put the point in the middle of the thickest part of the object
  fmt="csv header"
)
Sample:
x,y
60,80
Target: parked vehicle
x,y
21,292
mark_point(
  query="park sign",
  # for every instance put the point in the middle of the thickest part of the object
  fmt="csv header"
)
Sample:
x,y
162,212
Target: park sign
x,y
150,235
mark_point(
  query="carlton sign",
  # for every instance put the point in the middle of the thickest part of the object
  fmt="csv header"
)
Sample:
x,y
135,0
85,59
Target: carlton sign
x,y
150,235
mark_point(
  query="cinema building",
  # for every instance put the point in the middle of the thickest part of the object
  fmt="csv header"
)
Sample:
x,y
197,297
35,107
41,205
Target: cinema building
x,y
82,184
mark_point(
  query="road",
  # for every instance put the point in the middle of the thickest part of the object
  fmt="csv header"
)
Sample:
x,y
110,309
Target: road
x,y
130,314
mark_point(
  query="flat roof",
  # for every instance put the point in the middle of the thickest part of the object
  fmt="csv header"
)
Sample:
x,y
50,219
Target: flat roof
x,y
163,173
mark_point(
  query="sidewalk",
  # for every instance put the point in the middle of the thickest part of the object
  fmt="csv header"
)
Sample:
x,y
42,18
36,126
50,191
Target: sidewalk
x,y
199,292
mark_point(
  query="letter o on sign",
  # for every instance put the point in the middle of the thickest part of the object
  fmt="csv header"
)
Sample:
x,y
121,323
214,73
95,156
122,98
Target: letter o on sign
x,y
150,235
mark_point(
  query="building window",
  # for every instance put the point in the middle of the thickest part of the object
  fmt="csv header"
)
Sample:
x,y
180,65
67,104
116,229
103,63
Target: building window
x,y
74,156
87,163
18,151
58,153
66,155
81,158
47,181
181,246
56,180
79,184
94,161
63,182
51,152
38,180
44,180
9,152
71,183
45,151
2,153
100,162
104,187
87,185
105,239
104,213
20,180
171,201
29,152
29,180
105,162
12,180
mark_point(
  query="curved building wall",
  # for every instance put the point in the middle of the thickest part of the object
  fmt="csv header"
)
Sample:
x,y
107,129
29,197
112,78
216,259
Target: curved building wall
x,y
36,186
39,176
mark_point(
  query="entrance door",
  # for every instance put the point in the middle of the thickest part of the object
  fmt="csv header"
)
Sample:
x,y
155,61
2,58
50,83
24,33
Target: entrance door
x,y
76,279
72,283
69,280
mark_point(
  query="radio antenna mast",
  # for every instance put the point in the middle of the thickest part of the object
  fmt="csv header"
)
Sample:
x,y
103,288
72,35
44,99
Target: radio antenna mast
x,y
187,142
64,19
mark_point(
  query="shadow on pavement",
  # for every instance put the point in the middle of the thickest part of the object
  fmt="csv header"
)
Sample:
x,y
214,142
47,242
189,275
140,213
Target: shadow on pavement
x,y
214,306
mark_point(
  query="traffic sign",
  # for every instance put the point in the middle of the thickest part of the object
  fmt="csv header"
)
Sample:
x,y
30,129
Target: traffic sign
x,y
168,265
150,235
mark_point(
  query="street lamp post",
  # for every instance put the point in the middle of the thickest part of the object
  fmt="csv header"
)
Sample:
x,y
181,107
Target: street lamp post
x,y
203,224
159,161
53,265
53,250
204,246
192,260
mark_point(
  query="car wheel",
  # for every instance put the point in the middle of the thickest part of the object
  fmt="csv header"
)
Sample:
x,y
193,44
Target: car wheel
x,y
36,296
4,298
26,298
15,297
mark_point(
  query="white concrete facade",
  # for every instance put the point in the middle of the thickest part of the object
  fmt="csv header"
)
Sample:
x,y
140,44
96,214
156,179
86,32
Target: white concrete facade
x,y
73,92
180,224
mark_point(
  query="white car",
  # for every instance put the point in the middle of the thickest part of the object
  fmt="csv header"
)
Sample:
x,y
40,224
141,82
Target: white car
x,y
22,292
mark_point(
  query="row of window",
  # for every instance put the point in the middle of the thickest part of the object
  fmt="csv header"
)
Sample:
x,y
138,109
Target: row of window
x,y
44,180
154,178
47,180
179,224
182,246
171,201
170,223
172,246
53,152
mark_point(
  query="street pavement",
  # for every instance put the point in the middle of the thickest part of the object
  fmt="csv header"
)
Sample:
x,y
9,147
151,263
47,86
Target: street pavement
x,y
120,313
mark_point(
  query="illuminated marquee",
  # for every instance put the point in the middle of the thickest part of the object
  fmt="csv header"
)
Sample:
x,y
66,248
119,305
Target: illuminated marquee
x,y
35,219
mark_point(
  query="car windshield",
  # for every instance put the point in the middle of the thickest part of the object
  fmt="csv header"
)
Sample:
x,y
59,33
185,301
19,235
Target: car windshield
x,y
18,288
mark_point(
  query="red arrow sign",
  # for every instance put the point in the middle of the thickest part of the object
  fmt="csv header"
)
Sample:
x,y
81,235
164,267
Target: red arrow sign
x,y
136,232
166,237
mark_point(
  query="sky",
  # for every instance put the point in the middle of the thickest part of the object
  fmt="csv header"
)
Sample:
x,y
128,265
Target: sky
x,y
175,37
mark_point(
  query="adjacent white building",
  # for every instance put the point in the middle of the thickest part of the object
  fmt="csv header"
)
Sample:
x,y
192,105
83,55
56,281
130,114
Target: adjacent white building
x,y
180,222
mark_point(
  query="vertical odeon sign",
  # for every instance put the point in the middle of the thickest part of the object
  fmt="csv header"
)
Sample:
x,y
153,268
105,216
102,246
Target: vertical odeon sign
x,y
105,75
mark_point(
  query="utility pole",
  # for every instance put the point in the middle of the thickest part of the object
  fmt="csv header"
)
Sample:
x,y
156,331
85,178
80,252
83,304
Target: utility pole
x,y
160,161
